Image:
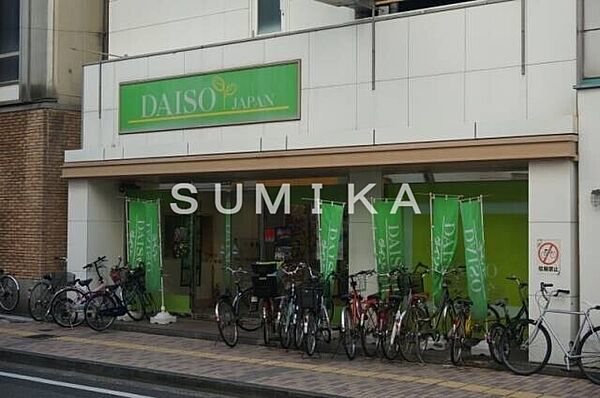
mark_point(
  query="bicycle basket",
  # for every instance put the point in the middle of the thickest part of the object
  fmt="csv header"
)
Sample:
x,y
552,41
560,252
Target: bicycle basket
x,y
264,286
264,269
412,282
61,279
119,275
309,297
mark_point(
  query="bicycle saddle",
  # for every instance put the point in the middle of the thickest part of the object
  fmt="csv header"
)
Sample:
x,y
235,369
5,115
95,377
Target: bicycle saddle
x,y
86,282
501,302
420,296
464,301
373,296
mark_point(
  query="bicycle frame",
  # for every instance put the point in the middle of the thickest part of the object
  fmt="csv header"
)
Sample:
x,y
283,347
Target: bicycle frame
x,y
568,353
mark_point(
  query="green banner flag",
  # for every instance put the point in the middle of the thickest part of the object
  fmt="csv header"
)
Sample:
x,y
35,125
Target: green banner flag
x,y
388,239
444,239
472,220
143,240
330,231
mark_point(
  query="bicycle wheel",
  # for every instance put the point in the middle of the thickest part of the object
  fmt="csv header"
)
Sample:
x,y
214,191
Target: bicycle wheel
x,y
412,345
150,306
525,347
134,303
39,300
267,320
9,293
457,342
248,311
310,333
100,312
348,333
67,307
589,355
324,325
390,344
298,329
286,327
369,335
226,322
494,339
445,323
492,315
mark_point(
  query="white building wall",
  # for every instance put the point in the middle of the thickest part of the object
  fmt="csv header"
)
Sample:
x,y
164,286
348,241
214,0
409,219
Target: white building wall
x,y
589,179
147,26
443,75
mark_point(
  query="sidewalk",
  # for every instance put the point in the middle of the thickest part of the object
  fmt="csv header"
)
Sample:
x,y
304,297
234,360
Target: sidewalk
x,y
251,370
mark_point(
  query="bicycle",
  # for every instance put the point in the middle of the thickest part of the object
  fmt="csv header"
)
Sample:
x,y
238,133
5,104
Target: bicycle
x,y
535,334
103,307
68,304
497,329
41,294
264,287
287,317
352,312
316,320
240,311
9,292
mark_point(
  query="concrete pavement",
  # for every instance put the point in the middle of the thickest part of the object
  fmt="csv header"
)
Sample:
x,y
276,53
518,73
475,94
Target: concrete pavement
x,y
254,370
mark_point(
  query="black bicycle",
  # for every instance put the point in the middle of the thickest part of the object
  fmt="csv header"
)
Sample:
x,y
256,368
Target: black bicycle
x,y
41,294
315,315
241,310
103,308
9,292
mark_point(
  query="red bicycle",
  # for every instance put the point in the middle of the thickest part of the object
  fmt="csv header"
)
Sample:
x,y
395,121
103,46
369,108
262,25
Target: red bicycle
x,y
353,312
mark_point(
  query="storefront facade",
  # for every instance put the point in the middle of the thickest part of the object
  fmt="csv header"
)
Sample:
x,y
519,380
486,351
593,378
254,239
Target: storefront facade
x,y
448,104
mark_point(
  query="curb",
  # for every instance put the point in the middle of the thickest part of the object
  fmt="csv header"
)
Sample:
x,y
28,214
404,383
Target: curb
x,y
198,383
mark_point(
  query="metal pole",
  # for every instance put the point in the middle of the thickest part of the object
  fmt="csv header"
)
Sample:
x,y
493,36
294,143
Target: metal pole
x,y
523,35
373,45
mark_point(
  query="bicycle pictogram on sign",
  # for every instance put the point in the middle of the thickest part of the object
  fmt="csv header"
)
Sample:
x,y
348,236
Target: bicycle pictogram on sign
x,y
548,255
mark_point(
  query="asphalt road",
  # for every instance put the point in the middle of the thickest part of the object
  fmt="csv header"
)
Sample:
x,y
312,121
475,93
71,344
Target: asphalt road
x,y
17,381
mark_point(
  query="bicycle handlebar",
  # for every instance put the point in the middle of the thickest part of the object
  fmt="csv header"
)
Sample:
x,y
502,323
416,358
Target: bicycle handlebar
x,y
364,272
239,270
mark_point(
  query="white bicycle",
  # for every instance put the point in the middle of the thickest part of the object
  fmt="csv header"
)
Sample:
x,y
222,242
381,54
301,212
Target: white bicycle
x,y
526,344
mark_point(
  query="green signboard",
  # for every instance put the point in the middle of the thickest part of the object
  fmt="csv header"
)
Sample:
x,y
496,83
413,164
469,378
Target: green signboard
x,y
249,95
388,239
444,239
143,240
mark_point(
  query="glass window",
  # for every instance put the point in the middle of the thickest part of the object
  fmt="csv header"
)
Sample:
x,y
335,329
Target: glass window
x,y
9,40
591,39
269,16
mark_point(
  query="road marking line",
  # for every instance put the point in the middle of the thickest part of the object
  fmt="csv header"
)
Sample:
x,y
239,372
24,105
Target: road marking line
x,y
72,386
290,365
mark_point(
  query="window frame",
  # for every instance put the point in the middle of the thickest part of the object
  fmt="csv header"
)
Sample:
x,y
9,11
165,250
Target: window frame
x,y
255,22
18,52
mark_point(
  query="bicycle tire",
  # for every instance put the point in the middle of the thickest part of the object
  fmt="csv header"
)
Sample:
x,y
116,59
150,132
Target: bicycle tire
x,y
226,318
9,299
134,304
298,329
390,345
286,328
99,312
369,329
508,341
494,340
411,346
310,331
267,321
348,333
39,300
457,342
325,325
64,307
249,318
591,372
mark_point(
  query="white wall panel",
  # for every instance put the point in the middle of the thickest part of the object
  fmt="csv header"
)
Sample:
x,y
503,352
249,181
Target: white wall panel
x,y
236,25
274,135
169,137
449,131
91,132
551,30
332,109
243,138
166,65
550,89
437,43
90,88
244,54
304,14
436,100
333,57
110,87
391,60
495,95
290,48
391,104
204,141
204,60
494,36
